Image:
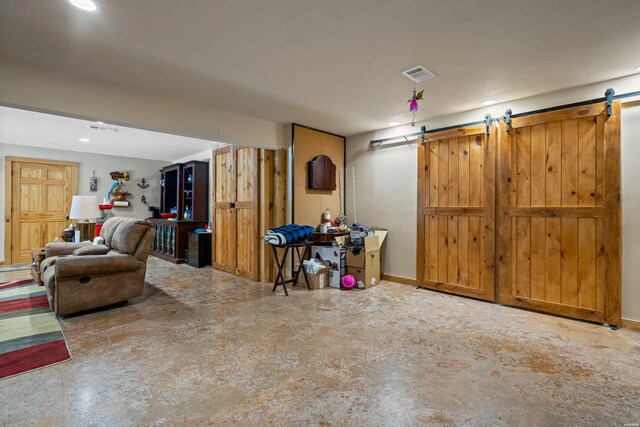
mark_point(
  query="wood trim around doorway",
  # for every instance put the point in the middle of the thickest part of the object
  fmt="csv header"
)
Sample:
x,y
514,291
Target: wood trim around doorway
x,y
8,185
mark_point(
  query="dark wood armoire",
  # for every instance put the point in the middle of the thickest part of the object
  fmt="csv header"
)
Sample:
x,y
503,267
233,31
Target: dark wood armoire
x,y
184,187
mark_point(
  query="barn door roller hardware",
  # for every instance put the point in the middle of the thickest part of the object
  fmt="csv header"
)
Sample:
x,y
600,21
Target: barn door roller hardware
x,y
609,95
423,131
487,123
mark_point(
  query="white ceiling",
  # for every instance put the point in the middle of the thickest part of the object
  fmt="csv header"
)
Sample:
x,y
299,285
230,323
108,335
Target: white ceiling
x,y
331,64
34,129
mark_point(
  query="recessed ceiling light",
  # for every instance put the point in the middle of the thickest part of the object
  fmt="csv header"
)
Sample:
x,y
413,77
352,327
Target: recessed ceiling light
x,y
84,140
88,5
489,102
394,123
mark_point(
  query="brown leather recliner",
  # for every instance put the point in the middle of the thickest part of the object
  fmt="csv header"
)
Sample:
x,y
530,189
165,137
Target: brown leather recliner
x,y
82,276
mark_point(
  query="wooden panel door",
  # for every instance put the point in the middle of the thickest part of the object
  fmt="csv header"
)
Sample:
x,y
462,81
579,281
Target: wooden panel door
x,y
456,212
559,213
224,218
246,208
40,202
236,211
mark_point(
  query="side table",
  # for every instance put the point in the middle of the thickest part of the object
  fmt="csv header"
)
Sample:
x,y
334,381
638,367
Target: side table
x,y
38,256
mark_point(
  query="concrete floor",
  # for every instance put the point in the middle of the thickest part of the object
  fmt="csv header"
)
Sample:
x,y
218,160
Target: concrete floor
x,y
204,347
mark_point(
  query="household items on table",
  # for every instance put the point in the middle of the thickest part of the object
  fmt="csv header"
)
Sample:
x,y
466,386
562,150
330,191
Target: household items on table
x,y
70,234
327,225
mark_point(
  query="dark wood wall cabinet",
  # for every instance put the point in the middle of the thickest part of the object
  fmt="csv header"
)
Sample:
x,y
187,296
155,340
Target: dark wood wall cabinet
x,y
183,187
321,173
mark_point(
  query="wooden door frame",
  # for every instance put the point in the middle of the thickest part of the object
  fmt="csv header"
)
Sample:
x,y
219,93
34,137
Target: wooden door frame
x,y
268,183
8,197
487,292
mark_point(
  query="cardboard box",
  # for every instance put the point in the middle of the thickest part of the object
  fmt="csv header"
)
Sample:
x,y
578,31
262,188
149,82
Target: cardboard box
x,y
365,266
357,237
359,275
317,280
337,257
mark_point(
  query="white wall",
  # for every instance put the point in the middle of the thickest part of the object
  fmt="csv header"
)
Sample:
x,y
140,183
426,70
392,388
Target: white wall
x,y
87,163
631,212
32,87
386,179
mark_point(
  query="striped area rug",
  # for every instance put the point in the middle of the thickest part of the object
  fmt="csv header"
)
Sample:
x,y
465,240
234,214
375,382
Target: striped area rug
x,y
30,335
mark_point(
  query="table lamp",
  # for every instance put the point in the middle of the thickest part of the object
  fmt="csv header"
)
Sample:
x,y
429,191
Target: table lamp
x,y
85,208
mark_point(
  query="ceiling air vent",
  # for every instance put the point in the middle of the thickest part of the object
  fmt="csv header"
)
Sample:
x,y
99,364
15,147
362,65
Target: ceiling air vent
x,y
419,74
101,127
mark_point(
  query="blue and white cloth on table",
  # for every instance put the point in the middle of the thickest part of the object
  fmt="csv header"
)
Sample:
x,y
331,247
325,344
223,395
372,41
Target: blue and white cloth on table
x,y
287,234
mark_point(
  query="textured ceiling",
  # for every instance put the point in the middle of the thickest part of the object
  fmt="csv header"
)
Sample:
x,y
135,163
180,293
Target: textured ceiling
x,y
334,65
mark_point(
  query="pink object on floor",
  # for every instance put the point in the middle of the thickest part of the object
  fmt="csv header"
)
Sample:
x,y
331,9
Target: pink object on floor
x,y
348,282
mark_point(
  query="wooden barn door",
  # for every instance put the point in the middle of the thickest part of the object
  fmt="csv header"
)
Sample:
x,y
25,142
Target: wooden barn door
x,y
236,211
559,213
456,212
224,218
247,209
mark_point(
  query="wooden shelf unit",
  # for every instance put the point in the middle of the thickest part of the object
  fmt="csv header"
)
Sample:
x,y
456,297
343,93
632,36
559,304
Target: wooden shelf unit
x,y
195,187
184,186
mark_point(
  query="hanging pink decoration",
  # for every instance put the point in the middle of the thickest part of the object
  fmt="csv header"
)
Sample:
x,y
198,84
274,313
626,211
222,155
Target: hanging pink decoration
x,y
413,104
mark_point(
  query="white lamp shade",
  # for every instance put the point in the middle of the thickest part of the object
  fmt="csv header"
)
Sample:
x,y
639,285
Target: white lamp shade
x,y
84,207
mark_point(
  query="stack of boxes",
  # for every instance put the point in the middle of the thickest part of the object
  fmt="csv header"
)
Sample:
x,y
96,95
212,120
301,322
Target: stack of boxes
x,y
357,254
336,257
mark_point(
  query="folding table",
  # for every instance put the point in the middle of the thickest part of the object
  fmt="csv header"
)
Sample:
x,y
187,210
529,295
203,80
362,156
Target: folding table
x,y
280,280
